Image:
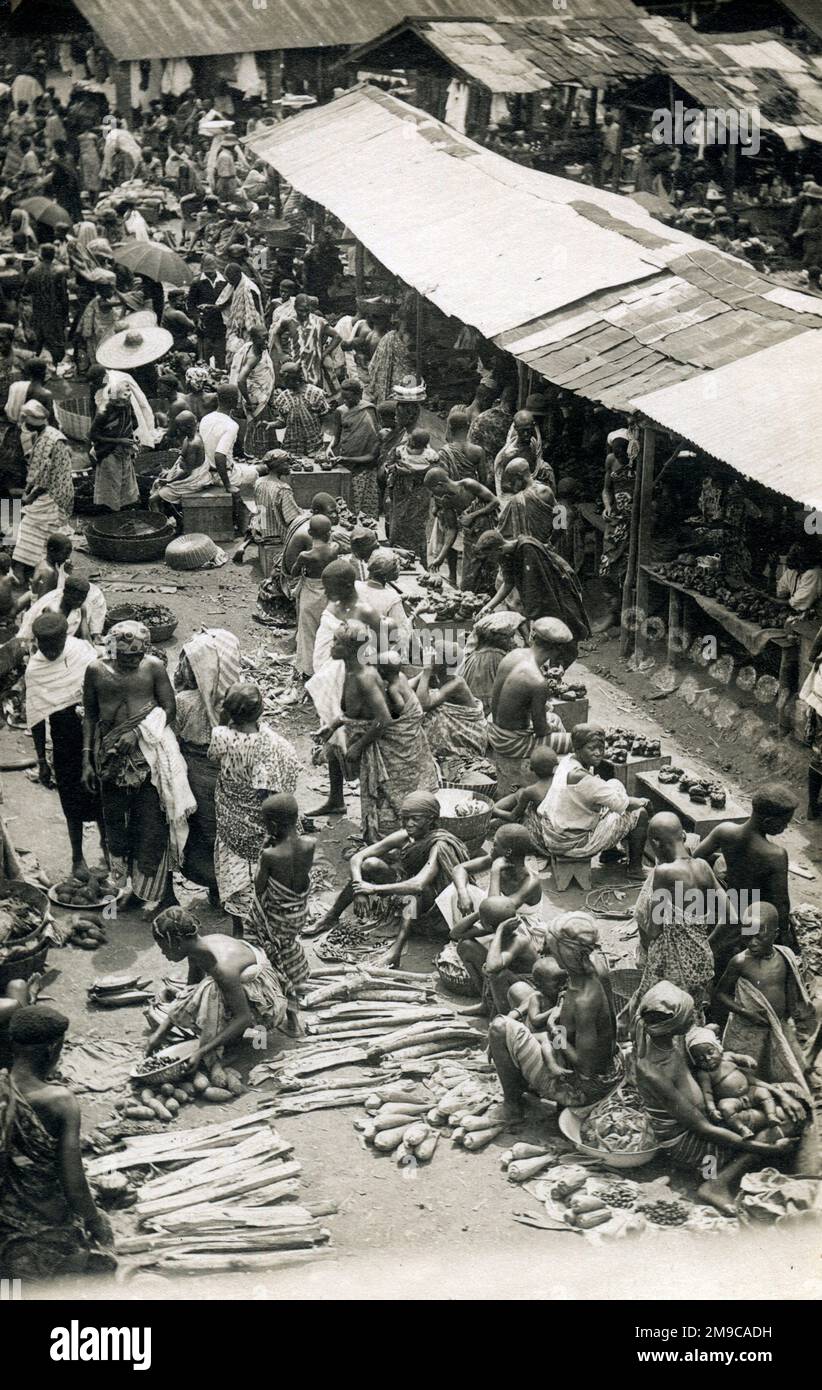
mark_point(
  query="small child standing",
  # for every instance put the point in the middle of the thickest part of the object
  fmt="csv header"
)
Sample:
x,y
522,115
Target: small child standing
x,y
279,911
763,990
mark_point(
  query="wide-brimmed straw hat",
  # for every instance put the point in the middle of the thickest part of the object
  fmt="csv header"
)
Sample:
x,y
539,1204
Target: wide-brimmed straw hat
x,y
134,348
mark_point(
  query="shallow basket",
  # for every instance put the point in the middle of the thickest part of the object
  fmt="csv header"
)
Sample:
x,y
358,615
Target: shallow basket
x,y
487,787
569,1124
190,552
74,415
114,538
172,1064
132,612
472,830
455,978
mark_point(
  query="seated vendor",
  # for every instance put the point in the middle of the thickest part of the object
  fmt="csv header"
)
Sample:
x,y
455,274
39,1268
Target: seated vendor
x,y
82,604
454,721
231,986
583,814
415,863
576,1061
491,639
676,1105
49,1221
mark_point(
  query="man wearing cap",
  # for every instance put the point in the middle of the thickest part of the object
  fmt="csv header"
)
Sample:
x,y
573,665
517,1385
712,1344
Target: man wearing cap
x,y
49,1221
129,749
48,501
519,717
54,689
46,285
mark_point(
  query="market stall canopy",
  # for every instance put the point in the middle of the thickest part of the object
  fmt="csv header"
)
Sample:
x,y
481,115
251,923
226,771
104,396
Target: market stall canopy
x,y
761,415
178,29
487,240
808,12
511,55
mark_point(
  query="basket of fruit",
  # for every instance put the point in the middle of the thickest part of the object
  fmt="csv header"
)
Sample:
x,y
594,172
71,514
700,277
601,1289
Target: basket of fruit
x,y
24,911
159,620
466,815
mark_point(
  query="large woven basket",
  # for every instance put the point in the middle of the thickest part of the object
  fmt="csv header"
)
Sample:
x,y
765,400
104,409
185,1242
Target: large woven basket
x,y
190,552
74,416
154,460
23,964
472,830
453,974
130,536
134,612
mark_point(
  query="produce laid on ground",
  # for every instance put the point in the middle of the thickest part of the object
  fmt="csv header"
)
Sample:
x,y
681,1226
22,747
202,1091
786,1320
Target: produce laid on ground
x,y
226,1198
622,744
119,991
582,1202
451,1103
162,1086
94,891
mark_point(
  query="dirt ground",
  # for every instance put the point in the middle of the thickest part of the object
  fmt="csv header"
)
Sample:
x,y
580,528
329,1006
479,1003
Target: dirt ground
x,y
448,1231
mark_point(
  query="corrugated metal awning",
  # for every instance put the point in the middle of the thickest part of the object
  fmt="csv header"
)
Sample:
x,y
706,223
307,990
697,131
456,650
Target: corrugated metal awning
x,y
762,415
485,239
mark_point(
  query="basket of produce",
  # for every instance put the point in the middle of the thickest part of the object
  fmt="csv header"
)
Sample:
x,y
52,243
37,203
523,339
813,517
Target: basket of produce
x,y
23,915
96,891
74,416
465,814
453,974
168,1065
615,1130
130,536
159,620
475,782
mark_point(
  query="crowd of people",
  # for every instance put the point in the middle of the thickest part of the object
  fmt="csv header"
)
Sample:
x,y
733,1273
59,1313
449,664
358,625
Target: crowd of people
x,y
243,375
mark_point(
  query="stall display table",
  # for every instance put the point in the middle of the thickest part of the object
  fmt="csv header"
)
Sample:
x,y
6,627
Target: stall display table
x,y
626,772
336,481
695,815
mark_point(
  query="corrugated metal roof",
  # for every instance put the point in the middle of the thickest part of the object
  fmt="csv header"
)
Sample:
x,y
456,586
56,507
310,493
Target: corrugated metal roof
x,y
195,28
515,55
762,415
453,219
582,285
808,12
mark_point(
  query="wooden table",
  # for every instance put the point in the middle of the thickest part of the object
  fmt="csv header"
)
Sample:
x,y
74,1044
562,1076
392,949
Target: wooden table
x,y
626,772
695,815
336,481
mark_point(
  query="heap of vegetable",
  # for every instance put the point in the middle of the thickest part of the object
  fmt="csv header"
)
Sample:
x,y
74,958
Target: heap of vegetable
x,y
164,1100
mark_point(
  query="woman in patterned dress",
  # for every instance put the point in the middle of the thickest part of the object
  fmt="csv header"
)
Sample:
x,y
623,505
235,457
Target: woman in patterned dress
x,y
255,762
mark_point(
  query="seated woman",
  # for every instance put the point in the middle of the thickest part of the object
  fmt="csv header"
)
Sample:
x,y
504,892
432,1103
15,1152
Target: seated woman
x,y
453,719
231,987
492,637
415,863
676,1105
279,910
576,1061
583,814
209,665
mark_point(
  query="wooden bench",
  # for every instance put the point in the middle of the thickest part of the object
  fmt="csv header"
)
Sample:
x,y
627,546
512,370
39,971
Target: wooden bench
x,y
564,872
698,816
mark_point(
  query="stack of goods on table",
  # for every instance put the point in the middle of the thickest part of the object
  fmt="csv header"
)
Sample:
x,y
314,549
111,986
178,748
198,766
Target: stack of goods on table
x,y
747,603
225,1197
559,688
701,790
444,601
622,744
383,1023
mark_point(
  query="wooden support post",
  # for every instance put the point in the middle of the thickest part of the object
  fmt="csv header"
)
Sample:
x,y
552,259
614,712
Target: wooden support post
x,y
278,196
730,175
359,270
618,152
643,542
629,582
522,384
675,627
418,351
593,103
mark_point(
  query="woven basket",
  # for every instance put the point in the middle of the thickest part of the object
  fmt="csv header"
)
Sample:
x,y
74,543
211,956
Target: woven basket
x,y
155,460
133,612
117,537
23,967
190,552
472,830
453,975
172,1064
487,787
74,416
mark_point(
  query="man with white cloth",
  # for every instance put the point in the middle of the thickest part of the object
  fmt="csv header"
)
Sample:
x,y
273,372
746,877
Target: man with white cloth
x,y
130,749
54,689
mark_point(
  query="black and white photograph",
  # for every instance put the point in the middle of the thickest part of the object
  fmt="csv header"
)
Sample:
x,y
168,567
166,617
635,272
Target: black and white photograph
x,y
411,665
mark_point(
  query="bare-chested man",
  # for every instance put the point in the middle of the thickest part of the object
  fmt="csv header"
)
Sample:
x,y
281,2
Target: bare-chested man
x,y
188,475
298,539
462,508
761,982
576,1061
753,865
519,719
120,692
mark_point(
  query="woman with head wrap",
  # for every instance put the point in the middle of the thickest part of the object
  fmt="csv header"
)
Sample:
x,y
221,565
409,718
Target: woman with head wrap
x,y
676,1106
209,665
48,501
199,391
254,762
491,638
233,987
577,1062
49,1222
427,855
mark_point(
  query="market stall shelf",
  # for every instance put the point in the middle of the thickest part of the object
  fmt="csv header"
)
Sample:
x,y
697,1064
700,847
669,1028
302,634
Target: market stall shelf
x,y
694,815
